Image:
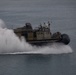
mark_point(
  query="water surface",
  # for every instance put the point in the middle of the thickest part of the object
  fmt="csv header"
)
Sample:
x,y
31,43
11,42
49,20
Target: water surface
x,y
62,14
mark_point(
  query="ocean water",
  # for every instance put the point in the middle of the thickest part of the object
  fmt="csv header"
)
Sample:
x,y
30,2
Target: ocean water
x,y
18,57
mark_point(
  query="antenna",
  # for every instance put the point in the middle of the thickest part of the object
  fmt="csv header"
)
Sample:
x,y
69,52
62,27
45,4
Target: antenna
x,y
49,25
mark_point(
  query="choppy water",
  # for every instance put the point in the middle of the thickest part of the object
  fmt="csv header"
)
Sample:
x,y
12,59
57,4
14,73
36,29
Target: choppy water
x,y
15,13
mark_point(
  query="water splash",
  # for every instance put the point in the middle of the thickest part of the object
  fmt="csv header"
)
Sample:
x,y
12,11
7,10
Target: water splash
x,y
2,24
11,44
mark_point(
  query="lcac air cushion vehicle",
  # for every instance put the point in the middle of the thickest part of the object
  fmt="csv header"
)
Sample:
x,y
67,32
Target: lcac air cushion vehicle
x,y
41,35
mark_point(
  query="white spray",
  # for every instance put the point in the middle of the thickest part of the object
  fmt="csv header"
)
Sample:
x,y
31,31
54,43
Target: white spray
x,y
11,44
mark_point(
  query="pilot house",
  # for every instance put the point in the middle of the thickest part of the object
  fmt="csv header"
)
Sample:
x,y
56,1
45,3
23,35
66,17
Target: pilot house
x,y
41,32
